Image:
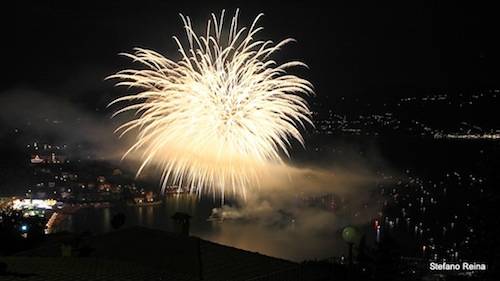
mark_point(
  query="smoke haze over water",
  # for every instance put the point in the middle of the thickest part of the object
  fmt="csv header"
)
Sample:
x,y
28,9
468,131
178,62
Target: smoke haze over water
x,y
276,221
273,219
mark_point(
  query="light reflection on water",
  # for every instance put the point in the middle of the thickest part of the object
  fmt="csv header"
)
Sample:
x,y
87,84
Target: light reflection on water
x,y
97,220
250,235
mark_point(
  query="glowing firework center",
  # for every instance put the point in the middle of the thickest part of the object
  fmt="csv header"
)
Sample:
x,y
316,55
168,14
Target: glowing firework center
x,y
215,119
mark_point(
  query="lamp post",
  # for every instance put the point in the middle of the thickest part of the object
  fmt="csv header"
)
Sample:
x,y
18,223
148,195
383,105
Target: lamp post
x,y
350,234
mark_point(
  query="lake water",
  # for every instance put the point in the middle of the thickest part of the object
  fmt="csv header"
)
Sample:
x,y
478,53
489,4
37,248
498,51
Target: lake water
x,y
311,240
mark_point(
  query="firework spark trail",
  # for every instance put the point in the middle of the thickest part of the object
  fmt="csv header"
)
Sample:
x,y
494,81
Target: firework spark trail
x,y
217,117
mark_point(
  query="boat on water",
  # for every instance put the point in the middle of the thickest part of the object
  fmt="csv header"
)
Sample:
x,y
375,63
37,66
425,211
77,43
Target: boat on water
x,y
222,214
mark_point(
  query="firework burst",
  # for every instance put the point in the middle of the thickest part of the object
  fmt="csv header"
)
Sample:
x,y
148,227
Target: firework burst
x,y
217,117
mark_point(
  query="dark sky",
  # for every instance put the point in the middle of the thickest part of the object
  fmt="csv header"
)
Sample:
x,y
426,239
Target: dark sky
x,y
372,49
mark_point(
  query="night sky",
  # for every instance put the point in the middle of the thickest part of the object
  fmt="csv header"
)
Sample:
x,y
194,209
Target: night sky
x,y
371,50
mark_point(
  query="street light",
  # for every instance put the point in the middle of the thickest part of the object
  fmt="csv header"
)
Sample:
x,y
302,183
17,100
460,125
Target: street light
x,y
350,234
